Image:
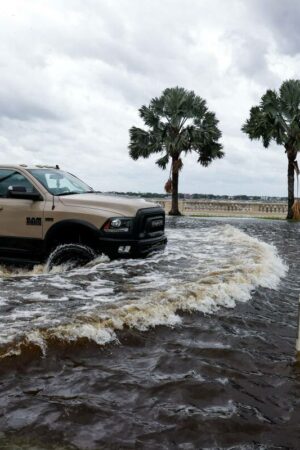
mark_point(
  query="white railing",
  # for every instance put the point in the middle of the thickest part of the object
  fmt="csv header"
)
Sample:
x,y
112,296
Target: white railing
x,y
244,208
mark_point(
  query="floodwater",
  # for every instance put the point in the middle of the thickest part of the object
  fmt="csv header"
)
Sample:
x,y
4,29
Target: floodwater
x,y
188,349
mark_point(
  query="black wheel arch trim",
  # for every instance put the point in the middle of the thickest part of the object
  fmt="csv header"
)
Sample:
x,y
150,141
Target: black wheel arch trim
x,y
63,224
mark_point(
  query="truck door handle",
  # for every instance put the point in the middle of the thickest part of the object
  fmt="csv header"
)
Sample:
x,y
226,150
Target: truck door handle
x,y
1,207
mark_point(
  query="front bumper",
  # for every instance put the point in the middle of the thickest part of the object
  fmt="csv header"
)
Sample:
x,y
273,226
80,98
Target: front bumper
x,y
131,247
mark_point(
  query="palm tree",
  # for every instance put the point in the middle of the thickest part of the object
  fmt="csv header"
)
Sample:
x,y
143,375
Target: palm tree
x,y
277,118
178,122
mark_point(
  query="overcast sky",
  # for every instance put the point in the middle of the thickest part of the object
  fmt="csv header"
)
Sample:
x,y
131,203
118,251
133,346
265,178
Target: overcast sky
x,y
74,73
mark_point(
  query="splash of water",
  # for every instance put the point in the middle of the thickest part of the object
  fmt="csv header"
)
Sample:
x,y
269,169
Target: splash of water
x,y
201,271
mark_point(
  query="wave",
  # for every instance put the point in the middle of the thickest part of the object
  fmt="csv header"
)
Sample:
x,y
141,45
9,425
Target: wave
x,y
233,265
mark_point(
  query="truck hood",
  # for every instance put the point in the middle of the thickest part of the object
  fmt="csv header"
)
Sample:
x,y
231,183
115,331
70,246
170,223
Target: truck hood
x,y
120,206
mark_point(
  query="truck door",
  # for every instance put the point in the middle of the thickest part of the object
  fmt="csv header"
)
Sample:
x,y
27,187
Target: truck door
x,y
21,220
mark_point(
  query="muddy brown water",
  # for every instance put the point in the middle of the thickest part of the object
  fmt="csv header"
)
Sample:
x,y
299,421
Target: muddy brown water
x,y
189,349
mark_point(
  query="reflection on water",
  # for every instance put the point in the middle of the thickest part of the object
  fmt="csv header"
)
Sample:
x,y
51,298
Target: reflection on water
x,y
226,295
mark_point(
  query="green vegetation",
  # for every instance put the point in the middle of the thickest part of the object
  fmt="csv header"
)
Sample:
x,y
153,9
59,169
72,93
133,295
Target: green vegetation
x,y
277,118
178,122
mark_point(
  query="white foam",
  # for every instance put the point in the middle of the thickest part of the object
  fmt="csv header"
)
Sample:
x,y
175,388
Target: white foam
x,y
217,267
262,269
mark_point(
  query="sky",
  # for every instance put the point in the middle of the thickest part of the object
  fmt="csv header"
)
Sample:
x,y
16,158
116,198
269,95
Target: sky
x,y
73,74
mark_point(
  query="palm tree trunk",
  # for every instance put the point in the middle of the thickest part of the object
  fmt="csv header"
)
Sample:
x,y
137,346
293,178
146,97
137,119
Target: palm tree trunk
x,y
291,154
175,178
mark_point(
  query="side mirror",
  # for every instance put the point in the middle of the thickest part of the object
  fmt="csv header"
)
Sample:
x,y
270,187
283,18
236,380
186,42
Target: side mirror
x,y
21,193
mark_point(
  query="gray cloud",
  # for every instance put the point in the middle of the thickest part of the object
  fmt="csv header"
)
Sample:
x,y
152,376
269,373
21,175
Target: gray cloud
x,y
249,55
282,20
73,75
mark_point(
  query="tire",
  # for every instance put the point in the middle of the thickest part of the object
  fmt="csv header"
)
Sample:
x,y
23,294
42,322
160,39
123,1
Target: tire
x,y
73,255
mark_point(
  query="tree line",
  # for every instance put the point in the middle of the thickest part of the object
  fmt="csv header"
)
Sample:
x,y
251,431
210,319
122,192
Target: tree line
x,y
179,122
181,196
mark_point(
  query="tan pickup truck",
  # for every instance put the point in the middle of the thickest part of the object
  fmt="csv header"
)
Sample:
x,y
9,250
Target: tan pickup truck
x,y
49,214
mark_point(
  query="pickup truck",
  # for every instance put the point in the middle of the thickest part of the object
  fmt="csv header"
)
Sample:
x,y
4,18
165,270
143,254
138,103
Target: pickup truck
x,y
47,214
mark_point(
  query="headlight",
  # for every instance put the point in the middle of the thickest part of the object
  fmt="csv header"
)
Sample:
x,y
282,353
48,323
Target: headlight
x,y
118,225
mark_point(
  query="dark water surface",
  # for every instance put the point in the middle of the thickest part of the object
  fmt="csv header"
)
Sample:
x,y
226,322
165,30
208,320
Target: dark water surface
x,y
190,349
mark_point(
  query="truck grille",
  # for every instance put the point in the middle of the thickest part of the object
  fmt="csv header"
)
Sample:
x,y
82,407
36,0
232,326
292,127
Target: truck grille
x,y
150,223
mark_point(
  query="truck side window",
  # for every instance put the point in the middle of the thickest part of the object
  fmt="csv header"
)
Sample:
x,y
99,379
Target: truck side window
x,y
13,178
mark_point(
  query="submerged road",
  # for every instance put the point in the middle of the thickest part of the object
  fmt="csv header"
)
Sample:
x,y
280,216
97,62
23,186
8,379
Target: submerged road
x,y
192,348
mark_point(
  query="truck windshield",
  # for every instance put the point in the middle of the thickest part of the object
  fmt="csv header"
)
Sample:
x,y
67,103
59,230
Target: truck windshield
x,y
58,182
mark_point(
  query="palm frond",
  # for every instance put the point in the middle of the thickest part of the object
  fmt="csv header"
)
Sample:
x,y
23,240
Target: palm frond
x,y
163,161
178,121
208,153
266,121
150,118
144,143
290,98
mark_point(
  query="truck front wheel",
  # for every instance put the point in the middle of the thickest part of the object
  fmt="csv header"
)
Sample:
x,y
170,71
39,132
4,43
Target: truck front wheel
x,y
73,255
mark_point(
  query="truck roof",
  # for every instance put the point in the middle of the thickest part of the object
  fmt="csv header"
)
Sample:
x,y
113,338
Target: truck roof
x,y
25,166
